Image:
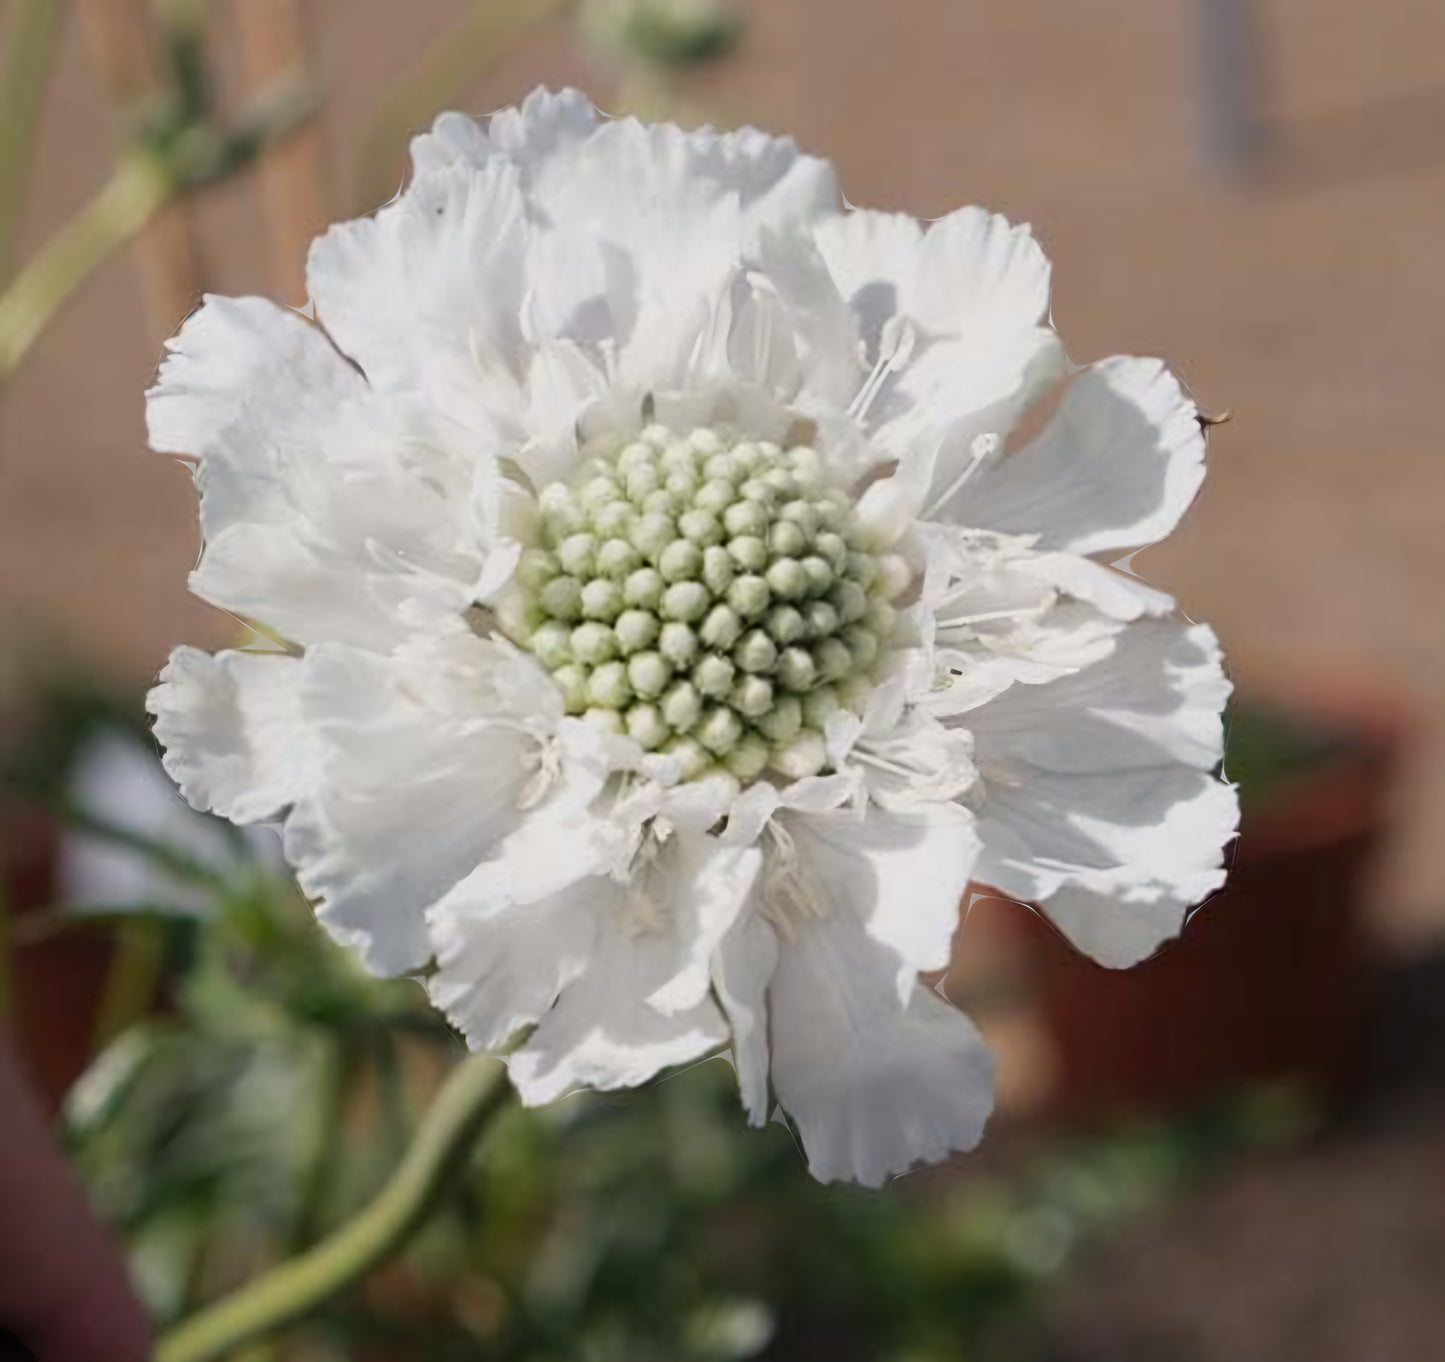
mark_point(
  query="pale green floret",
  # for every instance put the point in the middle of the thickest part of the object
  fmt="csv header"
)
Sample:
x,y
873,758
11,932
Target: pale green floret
x,y
849,600
746,518
705,441
796,670
572,682
713,676
644,588
785,624
682,706
617,559
680,561
535,568
682,485
749,759
634,456
598,492
608,686
721,628
854,692
819,705
552,644
804,755
818,575
822,619
702,527
803,514
710,596
578,554
593,643
717,569
748,552
615,521
782,722
601,599
719,730
752,696
678,643
652,533
648,675
785,578
686,601
562,598
756,652
692,757
608,720
861,567
642,481
832,546
832,659
882,618
786,539
749,596
862,642
647,726
716,495
635,630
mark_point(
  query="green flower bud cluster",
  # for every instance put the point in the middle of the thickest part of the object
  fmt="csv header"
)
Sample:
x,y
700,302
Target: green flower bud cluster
x,y
710,596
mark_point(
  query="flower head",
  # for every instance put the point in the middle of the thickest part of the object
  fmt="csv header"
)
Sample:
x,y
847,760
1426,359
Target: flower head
x,y
676,619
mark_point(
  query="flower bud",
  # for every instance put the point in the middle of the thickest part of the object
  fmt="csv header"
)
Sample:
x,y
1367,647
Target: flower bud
x,y
680,561
785,578
551,642
617,559
635,630
643,588
717,569
645,724
577,554
749,596
713,676
749,759
685,601
593,643
719,730
601,600
572,682
682,705
752,696
562,598
756,652
804,756
785,623
608,687
647,675
782,722
796,670
748,552
678,643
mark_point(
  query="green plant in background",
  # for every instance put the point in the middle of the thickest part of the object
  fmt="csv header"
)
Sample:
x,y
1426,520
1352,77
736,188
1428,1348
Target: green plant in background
x,y
271,1095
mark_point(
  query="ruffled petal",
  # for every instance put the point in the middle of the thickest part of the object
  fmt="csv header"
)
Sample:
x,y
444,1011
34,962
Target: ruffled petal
x,y
899,872
874,1084
544,123
602,1033
422,769
1114,469
742,969
1102,784
439,272
233,731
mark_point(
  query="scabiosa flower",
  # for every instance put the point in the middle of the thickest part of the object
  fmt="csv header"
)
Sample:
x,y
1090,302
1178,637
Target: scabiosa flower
x,y
679,612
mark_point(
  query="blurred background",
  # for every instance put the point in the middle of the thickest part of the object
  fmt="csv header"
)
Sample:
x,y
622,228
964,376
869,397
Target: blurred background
x,y
1232,1152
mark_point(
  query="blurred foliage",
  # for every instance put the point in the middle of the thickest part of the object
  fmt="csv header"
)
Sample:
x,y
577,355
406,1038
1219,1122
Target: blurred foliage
x,y
1267,748
275,1085
671,34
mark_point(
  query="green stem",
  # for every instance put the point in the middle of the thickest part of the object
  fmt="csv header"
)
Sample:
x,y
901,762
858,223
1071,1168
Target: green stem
x,y
474,1093
32,40
138,186
131,980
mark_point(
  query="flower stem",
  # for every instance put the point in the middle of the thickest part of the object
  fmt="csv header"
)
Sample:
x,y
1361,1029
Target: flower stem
x,y
32,40
138,186
474,1093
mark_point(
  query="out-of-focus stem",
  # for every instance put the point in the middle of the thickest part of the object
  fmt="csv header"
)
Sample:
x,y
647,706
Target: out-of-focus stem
x,y
137,188
481,38
30,48
130,981
474,1093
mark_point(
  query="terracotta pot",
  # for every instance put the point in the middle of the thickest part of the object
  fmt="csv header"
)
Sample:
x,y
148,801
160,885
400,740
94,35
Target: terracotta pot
x,y
1270,979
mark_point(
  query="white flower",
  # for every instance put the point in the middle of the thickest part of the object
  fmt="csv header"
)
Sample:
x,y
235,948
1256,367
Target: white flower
x,y
677,623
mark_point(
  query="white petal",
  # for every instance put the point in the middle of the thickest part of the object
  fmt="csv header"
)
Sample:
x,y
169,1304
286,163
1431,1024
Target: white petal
x,y
602,1033
874,1085
439,270
543,123
901,873
419,779
233,732
973,267
742,969
501,962
1101,784
1114,469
